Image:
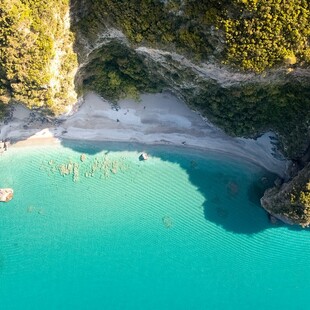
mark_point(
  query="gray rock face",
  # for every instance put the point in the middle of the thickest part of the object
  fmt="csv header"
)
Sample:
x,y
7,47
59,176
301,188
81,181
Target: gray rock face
x,y
291,202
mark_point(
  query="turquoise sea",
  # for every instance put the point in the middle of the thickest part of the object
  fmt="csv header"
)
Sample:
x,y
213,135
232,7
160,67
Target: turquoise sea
x,y
92,227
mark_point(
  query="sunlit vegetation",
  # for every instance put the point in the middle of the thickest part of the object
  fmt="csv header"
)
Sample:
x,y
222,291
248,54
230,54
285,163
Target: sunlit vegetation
x,y
258,34
292,200
296,198
37,62
265,33
248,34
35,49
300,202
158,23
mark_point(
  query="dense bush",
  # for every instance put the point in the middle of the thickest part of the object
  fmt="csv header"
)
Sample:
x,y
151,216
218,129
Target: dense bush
x,y
259,34
268,32
31,32
249,109
117,72
157,23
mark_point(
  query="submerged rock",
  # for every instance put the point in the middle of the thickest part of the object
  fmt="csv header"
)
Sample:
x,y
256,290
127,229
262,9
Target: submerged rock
x,y
167,221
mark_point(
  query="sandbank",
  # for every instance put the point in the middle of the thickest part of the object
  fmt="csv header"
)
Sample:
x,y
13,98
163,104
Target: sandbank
x,y
155,119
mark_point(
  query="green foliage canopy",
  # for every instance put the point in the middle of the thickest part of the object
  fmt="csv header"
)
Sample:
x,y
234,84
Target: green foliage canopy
x,y
117,72
29,33
268,32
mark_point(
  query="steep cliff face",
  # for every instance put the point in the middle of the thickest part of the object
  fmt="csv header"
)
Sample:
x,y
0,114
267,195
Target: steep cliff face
x,y
291,201
38,64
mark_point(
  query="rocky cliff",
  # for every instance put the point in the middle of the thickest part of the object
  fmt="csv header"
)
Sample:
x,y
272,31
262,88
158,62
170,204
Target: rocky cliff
x,y
291,201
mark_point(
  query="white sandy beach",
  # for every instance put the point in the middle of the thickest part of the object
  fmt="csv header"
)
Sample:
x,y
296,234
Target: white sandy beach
x,y
156,119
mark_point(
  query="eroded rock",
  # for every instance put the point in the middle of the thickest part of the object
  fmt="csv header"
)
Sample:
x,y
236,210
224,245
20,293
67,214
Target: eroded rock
x,y
291,201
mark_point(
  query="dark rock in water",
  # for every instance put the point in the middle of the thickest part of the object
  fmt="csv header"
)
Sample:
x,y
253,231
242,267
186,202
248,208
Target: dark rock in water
x,y
232,188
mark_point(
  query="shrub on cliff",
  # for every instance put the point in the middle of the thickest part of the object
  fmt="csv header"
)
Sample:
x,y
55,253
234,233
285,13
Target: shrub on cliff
x,y
259,34
35,53
116,72
291,201
268,32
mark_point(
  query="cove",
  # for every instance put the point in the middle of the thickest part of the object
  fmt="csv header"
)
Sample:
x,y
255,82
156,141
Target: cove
x,y
182,230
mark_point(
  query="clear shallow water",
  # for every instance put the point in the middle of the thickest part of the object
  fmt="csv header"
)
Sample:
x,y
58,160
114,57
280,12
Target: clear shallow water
x,y
182,230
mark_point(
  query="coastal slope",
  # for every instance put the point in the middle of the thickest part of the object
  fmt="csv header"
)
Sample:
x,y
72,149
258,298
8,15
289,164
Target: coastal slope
x,y
291,201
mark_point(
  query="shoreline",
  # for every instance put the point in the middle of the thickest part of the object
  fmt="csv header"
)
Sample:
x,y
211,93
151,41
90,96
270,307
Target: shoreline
x,y
56,141
158,119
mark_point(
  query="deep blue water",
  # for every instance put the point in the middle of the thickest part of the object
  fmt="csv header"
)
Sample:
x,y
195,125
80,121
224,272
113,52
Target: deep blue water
x,y
182,230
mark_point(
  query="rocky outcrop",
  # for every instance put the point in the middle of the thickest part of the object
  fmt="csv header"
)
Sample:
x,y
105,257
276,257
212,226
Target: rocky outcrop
x,y
291,201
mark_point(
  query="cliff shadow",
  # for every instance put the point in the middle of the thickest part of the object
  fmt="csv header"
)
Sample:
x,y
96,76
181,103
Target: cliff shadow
x,y
231,197
231,201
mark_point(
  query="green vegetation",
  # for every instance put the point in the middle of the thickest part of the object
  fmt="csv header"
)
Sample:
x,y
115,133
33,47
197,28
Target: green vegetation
x,y
259,34
37,61
248,109
300,202
116,72
156,23
268,32
33,35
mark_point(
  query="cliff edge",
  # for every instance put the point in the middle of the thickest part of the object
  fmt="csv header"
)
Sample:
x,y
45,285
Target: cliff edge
x,y
290,202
